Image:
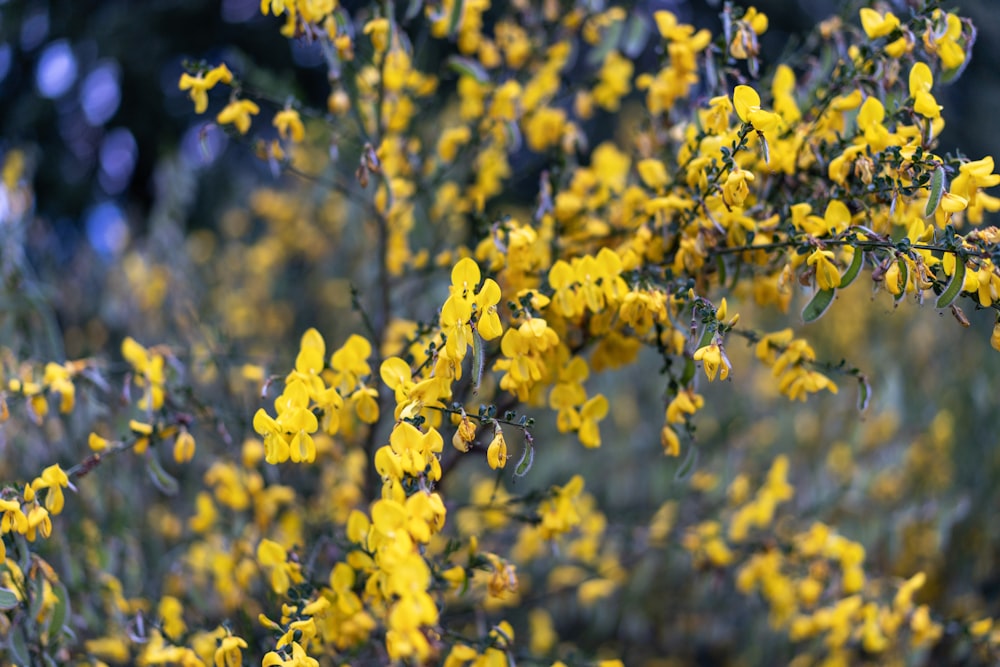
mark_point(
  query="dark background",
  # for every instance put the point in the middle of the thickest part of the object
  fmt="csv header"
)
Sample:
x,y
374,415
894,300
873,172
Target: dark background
x,y
112,110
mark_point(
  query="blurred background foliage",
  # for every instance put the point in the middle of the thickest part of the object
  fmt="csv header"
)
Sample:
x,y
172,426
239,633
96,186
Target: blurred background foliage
x,y
134,197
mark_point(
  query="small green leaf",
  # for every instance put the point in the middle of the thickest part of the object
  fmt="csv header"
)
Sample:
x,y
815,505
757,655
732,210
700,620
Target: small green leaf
x,y
636,35
8,599
954,285
818,305
60,612
478,361
937,191
688,464
864,393
689,371
612,36
19,648
527,458
457,9
413,9
853,269
706,336
36,595
513,136
469,67
161,479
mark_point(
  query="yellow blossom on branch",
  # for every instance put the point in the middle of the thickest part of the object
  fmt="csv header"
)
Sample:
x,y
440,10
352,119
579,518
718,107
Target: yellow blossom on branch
x,y
289,125
238,113
746,101
496,452
199,85
714,360
877,25
827,274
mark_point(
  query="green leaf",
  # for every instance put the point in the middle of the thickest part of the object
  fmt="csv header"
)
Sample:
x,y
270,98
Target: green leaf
x,y
818,305
689,371
611,38
688,464
864,393
954,285
636,35
469,67
60,612
465,585
937,191
527,458
161,479
513,136
456,16
413,9
36,595
8,599
478,361
853,269
706,336
19,648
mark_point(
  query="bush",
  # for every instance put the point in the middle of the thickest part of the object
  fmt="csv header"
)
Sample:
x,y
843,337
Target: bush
x,y
394,404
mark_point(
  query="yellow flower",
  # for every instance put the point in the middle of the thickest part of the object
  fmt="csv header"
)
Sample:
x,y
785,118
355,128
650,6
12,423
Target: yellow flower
x,y
299,658
108,648
450,141
464,434
289,124
670,442
378,31
496,453
148,366
228,654
39,521
284,572
614,81
238,113
13,520
365,401
945,43
921,81
827,274
746,101
735,190
952,203
183,447
57,378
981,627
592,412
54,479
171,617
202,83
744,43
97,443
714,359
876,25
684,404
653,173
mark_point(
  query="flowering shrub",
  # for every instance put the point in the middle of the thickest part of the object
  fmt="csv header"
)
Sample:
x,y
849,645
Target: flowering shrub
x,y
376,492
